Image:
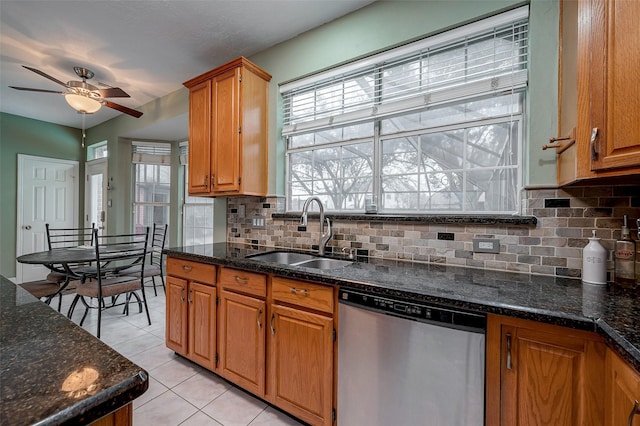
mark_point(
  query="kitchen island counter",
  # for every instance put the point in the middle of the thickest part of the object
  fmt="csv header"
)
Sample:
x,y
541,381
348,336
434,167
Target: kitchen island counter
x,y
54,372
610,312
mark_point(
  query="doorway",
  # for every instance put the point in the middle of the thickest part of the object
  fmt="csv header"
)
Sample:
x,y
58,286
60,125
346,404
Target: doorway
x,y
47,192
95,195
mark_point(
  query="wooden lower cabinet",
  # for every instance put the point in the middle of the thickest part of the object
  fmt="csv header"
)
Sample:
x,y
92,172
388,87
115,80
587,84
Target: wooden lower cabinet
x,y
622,392
242,341
540,374
123,416
300,371
191,311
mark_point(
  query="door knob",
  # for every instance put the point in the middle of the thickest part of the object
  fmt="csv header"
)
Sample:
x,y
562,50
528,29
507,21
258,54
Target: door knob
x,y
28,227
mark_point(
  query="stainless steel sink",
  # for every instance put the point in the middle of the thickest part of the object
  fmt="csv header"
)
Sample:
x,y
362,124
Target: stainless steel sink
x,y
324,263
282,257
300,259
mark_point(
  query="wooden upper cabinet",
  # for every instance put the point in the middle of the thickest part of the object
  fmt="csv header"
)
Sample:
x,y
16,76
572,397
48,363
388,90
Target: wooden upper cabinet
x,y
600,40
228,134
539,374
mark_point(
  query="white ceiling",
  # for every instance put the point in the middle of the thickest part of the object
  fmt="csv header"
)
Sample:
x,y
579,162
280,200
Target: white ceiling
x,y
147,48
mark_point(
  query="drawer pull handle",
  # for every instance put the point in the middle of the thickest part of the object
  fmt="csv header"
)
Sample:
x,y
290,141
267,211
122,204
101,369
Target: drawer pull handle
x,y
241,280
302,291
509,351
635,410
187,268
260,319
190,299
273,330
594,151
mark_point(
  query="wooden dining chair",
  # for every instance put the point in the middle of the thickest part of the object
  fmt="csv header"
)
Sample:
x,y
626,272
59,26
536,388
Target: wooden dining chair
x,y
155,267
114,253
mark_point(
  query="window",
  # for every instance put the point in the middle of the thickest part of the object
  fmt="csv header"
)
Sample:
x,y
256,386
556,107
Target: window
x,y
97,151
432,126
152,184
197,212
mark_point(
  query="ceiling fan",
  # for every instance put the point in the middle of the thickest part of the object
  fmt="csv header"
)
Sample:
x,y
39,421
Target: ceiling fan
x,y
82,96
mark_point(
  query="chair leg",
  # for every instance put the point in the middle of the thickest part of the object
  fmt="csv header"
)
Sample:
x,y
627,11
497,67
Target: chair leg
x,y
86,310
99,319
163,286
73,306
146,308
153,280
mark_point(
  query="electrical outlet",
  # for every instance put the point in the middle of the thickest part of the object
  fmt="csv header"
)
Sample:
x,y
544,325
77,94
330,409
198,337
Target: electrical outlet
x,y
258,222
486,245
447,236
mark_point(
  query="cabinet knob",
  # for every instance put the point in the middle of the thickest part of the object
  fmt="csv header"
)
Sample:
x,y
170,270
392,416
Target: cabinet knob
x,y
635,410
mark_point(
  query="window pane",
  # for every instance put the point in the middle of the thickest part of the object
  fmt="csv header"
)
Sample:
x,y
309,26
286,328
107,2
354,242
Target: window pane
x,y
197,217
492,146
340,176
152,189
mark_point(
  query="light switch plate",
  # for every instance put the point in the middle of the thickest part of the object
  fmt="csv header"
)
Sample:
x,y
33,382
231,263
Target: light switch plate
x,y
486,245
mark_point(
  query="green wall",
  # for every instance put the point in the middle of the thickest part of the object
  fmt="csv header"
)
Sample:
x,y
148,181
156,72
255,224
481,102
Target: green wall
x,y
19,135
374,28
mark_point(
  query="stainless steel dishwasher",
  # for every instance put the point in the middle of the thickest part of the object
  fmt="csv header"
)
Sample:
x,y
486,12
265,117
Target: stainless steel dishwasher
x,y
408,364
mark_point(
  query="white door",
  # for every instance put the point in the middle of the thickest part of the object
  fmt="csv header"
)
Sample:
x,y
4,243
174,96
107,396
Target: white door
x,y
47,193
95,195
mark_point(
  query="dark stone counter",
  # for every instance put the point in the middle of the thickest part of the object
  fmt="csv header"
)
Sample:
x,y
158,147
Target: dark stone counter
x,y
612,313
52,371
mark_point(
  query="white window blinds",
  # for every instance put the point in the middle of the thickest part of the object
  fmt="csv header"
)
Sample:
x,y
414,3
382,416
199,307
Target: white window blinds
x,y
151,153
484,57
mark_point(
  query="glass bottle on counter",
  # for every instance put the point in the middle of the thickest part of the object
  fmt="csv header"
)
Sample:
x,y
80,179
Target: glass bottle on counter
x,y
625,255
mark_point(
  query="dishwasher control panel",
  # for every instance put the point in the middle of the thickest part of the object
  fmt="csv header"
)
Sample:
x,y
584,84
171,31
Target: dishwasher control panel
x,y
440,315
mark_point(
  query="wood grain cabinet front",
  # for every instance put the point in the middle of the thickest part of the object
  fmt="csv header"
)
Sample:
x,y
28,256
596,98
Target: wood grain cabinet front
x,y
301,350
600,40
228,138
191,311
540,374
242,325
622,392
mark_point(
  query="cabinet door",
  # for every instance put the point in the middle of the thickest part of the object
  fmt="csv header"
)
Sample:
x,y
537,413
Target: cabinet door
x,y
225,139
242,341
301,364
200,138
548,375
202,324
622,392
176,315
612,94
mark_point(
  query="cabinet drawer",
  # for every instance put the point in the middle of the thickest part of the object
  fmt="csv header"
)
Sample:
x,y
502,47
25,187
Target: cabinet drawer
x,y
313,296
189,270
243,282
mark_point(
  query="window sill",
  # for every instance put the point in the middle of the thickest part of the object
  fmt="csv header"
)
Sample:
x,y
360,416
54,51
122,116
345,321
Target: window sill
x,y
428,219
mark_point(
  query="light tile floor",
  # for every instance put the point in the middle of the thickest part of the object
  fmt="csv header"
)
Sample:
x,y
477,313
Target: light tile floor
x,y
180,392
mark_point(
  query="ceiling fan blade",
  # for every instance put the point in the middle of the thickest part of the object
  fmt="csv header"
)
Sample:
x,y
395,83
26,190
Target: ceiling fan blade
x,y
45,75
28,89
113,92
122,108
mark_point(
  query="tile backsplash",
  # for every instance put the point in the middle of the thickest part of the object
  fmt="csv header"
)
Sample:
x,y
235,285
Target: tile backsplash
x,y
565,219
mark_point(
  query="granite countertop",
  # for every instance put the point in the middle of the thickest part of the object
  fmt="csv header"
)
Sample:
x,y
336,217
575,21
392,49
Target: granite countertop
x,y
610,312
52,371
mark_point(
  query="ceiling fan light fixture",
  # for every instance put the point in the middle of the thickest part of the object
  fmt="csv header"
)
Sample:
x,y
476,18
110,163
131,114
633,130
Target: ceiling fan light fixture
x,y
82,103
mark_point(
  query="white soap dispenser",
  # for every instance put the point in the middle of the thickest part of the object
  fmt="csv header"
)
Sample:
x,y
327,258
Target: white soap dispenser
x,y
594,262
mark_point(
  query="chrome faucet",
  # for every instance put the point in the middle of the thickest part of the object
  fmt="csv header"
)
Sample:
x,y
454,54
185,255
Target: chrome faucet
x,y
323,238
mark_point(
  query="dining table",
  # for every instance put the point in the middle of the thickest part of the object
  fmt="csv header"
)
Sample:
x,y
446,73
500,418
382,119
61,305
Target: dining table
x,y
64,259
